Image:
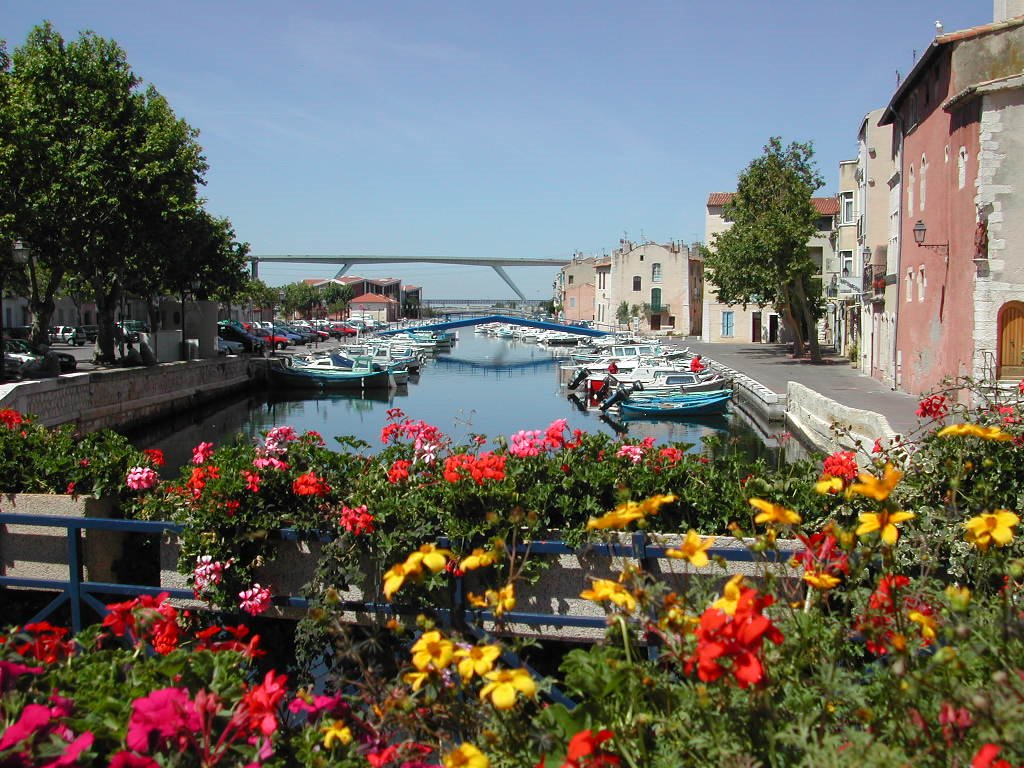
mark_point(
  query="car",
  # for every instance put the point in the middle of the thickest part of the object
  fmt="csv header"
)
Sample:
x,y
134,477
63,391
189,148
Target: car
x,y
20,347
132,328
340,330
249,342
272,339
91,333
226,347
67,334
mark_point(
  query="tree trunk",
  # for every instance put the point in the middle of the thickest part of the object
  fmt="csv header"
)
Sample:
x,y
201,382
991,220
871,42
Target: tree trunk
x,y
804,310
792,321
106,311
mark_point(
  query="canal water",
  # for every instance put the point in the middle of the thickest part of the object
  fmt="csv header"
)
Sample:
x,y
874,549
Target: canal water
x,y
483,386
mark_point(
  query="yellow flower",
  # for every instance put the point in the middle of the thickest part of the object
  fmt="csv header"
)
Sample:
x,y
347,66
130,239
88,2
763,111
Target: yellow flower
x,y
959,597
884,522
416,679
466,756
773,513
829,485
479,558
336,732
822,581
652,505
927,624
730,595
875,488
432,650
606,590
395,577
693,549
502,686
991,527
478,660
975,430
501,600
620,517
429,555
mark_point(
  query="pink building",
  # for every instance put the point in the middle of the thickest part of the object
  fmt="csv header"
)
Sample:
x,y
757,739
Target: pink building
x,y
958,124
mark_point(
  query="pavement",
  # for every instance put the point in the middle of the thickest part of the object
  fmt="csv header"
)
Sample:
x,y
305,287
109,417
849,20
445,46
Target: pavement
x,y
773,366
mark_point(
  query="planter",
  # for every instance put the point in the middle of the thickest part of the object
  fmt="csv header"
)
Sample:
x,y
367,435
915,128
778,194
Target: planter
x,y
38,552
555,593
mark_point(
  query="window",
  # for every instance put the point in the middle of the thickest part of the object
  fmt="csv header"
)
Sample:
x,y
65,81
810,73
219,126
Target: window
x,y
910,284
924,170
728,320
910,190
636,283
656,272
922,283
846,208
602,278
572,302
961,167
846,259
570,279
656,299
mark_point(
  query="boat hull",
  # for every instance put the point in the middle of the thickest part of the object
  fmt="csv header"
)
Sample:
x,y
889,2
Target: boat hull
x,y
674,408
304,378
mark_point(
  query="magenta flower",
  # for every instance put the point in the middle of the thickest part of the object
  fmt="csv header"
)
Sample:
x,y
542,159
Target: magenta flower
x,y
141,478
255,600
206,573
166,720
11,671
202,453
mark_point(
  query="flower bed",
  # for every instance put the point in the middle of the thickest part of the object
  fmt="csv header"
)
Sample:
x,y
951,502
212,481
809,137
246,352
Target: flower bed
x,y
905,647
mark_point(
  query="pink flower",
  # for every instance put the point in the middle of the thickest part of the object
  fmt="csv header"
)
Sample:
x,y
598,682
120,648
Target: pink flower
x,y
555,433
166,721
202,453
129,760
269,462
11,671
206,573
255,600
277,439
634,453
141,478
527,443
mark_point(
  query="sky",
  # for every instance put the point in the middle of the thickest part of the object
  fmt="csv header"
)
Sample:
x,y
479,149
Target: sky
x,y
533,128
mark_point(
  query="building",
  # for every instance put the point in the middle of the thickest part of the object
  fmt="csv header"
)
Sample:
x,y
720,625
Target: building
x,y
733,323
578,280
958,128
842,274
659,287
383,309
878,215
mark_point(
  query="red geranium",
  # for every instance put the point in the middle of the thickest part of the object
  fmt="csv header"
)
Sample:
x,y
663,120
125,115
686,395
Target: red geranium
x,y
309,484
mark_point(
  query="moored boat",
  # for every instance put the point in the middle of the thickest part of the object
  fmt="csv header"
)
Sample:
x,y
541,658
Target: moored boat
x,y
323,373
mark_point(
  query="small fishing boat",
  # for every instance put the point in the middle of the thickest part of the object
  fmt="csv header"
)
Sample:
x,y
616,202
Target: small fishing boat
x,y
323,373
699,404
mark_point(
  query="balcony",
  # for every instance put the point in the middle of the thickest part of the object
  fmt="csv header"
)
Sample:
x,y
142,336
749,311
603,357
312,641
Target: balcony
x,y
659,309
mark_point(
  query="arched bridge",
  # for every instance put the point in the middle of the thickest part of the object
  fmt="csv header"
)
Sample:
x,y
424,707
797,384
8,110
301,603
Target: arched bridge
x,y
467,321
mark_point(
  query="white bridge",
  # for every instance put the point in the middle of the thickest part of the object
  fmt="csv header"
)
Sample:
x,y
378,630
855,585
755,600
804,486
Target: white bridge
x,y
345,262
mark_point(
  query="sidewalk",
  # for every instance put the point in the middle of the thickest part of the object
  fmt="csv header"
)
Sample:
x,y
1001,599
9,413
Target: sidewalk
x,y
772,366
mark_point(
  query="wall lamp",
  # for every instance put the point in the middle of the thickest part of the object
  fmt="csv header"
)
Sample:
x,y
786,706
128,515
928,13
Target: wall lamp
x,y
919,233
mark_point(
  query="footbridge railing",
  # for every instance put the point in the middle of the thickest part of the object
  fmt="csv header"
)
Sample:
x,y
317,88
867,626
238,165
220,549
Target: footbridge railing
x,y
509,319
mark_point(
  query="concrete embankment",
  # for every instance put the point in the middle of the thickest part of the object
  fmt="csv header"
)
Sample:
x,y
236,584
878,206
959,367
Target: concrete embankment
x,y
121,398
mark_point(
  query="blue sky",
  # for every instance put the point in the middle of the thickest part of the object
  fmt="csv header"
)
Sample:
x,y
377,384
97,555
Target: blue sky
x,y
524,128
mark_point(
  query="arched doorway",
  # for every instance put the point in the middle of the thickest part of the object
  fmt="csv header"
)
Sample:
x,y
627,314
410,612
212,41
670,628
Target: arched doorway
x,y
1011,341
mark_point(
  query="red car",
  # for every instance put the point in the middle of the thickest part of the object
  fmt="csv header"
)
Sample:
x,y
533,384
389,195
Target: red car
x,y
271,339
339,330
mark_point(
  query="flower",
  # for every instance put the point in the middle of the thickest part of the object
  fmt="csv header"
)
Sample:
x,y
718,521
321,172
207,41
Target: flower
x,y
260,702
975,430
933,407
356,521
155,455
585,750
885,522
254,600
432,651
202,453
308,484
694,549
605,590
395,576
774,513
336,733
730,595
11,418
466,756
875,488
502,685
500,600
990,527
479,558
206,573
628,511
842,465
141,478
164,720
476,660
829,485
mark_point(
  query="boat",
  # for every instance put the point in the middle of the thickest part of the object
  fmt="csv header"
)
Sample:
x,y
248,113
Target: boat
x,y
700,404
323,373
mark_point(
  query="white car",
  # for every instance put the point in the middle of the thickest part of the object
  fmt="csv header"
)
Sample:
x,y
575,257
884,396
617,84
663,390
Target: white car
x,y
67,334
226,347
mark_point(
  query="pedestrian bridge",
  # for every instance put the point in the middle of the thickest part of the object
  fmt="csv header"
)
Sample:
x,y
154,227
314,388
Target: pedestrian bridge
x,y
511,320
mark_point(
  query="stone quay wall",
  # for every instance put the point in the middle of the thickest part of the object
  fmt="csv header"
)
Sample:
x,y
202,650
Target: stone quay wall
x,y
831,426
127,397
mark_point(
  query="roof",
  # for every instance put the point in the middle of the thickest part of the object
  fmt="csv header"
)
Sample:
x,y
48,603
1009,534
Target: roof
x,y
980,89
932,51
373,298
826,206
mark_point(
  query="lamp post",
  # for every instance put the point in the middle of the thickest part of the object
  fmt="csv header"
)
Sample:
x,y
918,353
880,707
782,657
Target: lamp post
x,y
920,230
19,255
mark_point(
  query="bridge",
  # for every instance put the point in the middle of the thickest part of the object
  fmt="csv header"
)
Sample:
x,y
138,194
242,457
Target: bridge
x,y
345,262
511,320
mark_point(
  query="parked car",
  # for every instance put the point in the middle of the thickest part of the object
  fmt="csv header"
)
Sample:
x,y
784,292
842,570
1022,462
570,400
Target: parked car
x,y
249,342
272,339
91,332
340,330
67,334
26,350
226,347
132,329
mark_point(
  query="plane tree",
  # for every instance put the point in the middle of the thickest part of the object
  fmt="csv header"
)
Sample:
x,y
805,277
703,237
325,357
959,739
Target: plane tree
x,y
763,259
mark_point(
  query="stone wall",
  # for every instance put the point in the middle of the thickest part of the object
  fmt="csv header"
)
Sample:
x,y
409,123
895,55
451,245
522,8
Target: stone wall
x,y
817,418
126,397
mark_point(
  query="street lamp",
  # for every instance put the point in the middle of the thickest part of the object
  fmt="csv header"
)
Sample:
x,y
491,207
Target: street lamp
x,y
19,255
920,230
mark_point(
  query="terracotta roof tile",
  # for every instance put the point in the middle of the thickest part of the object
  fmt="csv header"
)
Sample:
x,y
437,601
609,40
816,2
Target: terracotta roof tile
x,y
372,298
827,206
719,198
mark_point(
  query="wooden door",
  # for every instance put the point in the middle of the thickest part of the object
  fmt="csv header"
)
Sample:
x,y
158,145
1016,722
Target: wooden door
x,y
1011,341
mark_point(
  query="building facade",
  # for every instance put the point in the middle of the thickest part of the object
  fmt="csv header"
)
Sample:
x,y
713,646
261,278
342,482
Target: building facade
x,y
657,286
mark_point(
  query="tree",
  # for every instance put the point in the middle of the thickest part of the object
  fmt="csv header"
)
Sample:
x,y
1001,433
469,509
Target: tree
x,y
337,297
763,258
622,314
